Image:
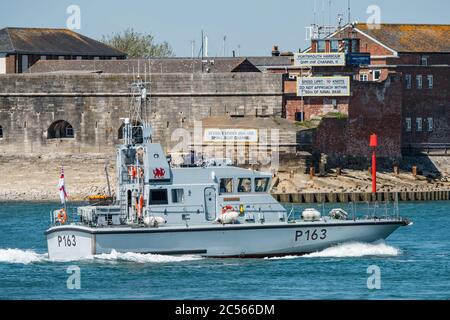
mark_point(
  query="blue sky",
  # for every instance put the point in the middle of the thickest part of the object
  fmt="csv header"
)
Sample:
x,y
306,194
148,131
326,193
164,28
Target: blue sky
x,y
255,25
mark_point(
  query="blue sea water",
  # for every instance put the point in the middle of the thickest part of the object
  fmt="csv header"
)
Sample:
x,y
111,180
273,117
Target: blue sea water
x,y
414,264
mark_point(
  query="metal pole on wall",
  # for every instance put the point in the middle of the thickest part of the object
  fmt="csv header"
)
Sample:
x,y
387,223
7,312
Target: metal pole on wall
x,y
373,145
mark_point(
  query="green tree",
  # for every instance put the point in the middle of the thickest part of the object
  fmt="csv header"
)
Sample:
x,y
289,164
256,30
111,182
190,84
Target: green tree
x,y
138,45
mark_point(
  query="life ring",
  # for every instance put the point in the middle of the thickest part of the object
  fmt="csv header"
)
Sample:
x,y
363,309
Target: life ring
x,y
227,208
140,205
132,171
62,216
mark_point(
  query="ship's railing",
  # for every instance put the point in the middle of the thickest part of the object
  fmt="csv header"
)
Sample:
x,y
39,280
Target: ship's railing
x,y
57,216
367,210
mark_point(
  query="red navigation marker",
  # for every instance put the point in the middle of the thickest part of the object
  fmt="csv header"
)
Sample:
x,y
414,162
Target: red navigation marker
x,y
374,144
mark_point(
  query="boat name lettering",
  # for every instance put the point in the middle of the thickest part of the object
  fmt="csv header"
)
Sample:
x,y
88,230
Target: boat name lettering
x,y
67,241
311,235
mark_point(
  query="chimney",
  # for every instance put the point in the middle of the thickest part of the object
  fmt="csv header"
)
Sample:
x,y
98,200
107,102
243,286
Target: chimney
x,y
275,51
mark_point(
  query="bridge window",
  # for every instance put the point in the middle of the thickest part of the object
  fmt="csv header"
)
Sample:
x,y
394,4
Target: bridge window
x,y
177,195
226,185
1,132
60,129
245,185
261,184
158,196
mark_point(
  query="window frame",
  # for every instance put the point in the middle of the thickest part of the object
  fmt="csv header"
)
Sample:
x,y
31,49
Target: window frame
x,y
424,60
152,202
320,50
408,81
379,77
220,186
178,196
419,81
430,80
430,124
408,122
363,77
266,187
419,124
334,50
239,184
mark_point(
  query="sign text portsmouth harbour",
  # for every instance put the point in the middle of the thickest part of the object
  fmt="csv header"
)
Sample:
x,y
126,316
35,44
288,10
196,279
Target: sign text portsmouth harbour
x,y
235,135
323,86
319,59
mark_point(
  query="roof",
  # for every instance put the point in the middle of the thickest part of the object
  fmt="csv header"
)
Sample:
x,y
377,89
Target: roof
x,y
263,63
410,37
153,65
52,41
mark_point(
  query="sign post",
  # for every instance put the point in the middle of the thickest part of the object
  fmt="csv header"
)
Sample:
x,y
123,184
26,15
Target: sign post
x,y
373,145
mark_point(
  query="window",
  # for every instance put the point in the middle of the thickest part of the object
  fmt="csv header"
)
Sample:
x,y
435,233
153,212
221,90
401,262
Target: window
x,y
430,124
60,129
424,60
69,131
1,132
419,81
408,81
334,45
261,184
408,124
299,116
321,46
226,185
158,196
245,185
430,81
419,124
376,75
177,195
363,77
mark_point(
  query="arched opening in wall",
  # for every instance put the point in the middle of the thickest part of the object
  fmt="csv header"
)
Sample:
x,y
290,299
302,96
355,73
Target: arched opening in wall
x,y
60,129
137,132
1,132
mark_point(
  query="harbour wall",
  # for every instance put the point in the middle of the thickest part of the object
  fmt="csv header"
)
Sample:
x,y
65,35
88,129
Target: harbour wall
x,y
346,197
94,103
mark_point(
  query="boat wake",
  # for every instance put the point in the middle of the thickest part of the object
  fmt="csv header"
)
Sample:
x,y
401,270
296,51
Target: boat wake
x,y
355,250
144,258
21,256
349,250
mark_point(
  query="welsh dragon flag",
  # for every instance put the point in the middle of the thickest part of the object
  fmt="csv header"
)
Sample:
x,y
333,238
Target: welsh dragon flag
x,y
62,187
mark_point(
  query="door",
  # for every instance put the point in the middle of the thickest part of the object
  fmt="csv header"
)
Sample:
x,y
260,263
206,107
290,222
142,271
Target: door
x,y
210,204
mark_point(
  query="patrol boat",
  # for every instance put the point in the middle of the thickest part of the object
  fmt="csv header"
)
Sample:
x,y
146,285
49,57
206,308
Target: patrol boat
x,y
212,209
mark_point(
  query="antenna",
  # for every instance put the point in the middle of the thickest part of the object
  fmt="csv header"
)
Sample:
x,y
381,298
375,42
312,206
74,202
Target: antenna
x,y
315,11
203,45
224,45
206,46
192,48
349,12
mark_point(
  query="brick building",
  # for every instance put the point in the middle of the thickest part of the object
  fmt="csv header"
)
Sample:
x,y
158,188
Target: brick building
x,y
403,94
20,48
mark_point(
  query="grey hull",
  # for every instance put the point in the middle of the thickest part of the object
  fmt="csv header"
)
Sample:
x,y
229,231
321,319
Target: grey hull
x,y
74,242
